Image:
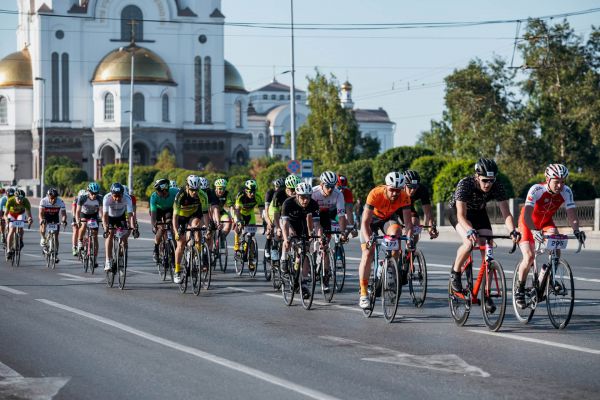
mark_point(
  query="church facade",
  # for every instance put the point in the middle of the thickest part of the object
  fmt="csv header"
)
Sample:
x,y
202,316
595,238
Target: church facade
x,y
73,72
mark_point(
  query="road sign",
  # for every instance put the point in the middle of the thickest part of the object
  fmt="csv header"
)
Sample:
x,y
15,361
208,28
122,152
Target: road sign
x,y
307,168
293,166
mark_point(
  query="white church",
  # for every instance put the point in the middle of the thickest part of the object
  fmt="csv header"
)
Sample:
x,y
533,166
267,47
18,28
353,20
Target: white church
x,y
72,76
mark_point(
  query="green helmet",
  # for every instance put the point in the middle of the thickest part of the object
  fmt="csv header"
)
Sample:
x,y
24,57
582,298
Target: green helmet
x,y
250,185
291,181
221,182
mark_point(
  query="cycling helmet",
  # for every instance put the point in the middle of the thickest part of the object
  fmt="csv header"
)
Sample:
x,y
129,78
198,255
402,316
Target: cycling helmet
x,y
117,188
250,185
193,182
486,167
556,171
221,183
173,184
82,192
304,189
204,184
279,182
292,181
329,178
394,180
412,177
161,184
342,181
52,192
93,187
20,194
10,192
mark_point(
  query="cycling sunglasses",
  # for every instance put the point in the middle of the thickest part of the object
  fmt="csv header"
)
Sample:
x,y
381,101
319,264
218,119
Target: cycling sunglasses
x,y
329,186
488,180
412,186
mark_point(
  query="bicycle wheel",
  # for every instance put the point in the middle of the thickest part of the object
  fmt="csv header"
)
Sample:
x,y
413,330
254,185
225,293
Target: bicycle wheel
x,y
309,282
122,267
289,281
53,251
267,260
17,257
194,268
328,276
163,261
223,253
560,295
417,279
390,293
93,256
252,257
185,262
206,270
276,275
85,259
171,259
340,268
531,298
110,274
238,260
460,303
496,292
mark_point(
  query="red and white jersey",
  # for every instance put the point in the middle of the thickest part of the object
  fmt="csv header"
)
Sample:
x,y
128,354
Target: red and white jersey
x,y
52,209
545,203
332,203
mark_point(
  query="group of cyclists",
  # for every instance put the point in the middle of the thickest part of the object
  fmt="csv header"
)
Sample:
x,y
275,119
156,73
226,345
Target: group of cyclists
x,y
295,208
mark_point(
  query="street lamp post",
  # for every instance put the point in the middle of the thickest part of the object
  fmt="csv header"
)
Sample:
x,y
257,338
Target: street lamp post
x,y
43,172
293,92
130,49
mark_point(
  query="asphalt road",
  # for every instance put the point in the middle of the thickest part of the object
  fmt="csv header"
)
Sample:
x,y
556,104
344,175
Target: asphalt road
x,y
65,335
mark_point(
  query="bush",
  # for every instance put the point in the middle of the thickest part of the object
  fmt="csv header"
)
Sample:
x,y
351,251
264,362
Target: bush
x,y
68,179
360,177
269,174
236,183
580,184
396,159
429,167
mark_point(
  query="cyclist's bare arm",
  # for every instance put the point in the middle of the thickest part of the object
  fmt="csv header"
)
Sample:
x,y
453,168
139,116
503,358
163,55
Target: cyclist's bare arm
x,y
572,218
507,215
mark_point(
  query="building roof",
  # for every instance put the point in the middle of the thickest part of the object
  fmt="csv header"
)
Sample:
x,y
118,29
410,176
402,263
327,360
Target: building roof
x,y
233,79
15,70
275,86
378,115
149,67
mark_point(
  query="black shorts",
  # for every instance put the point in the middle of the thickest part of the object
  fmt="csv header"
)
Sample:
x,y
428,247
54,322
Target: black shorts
x,y
86,217
182,222
325,218
118,222
478,218
164,215
51,218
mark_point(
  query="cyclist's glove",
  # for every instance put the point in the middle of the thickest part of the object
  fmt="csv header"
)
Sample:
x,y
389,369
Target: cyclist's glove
x,y
538,236
580,235
136,233
154,229
515,235
105,234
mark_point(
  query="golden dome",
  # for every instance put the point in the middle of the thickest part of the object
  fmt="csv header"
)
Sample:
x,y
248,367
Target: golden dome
x,y
148,67
346,86
15,70
233,79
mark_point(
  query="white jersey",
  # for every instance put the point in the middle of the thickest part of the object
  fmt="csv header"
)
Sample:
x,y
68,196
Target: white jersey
x,y
52,209
332,204
117,208
89,206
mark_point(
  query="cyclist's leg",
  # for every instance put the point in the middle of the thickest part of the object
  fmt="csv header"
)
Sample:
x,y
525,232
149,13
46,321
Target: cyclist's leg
x,y
11,234
462,253
108,243
366,259
416,221
181,224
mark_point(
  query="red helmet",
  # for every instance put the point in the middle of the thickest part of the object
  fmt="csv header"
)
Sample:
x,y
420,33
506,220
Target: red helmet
x,y
342,181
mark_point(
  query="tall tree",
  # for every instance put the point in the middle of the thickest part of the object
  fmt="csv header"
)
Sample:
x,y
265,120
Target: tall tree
x,y
330,134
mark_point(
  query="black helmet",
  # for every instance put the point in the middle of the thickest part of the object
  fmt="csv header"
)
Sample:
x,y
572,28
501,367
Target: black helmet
x,y
52,192
161,184
412,177
117,188
10,191
486,167
20,194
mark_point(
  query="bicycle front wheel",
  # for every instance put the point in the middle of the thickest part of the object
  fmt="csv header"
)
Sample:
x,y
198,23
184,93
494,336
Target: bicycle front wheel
x,y
307,288
53,251
390,292
524,315
417,278
340,268
560,295
93,255
493,296
252,257
223,253
289,280
460,303
122,267
328,276
267,260
194,266
206,270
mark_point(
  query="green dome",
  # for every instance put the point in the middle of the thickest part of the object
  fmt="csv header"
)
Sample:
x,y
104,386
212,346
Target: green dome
x,y
233,79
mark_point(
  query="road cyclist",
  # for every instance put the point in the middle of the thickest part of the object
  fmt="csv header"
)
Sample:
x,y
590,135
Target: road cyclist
x,y
243,212
51,212
224,203
87,215
135,226
117,214
342,186
18,209
161,211
8,193
74,226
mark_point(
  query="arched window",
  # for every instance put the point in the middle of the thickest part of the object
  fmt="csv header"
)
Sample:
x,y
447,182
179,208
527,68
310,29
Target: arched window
x,y
207,91
165,108
55,88
238,114
138,107
261,139
128,15
109,107
3,110
197,90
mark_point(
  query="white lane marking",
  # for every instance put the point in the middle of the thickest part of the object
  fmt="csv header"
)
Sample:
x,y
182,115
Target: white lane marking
x,y
266,377
8,372
14,385
71,277
437,362
538,341
11,290
238,289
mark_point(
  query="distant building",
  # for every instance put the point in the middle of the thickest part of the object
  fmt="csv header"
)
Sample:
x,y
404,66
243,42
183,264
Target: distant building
x,y
269,118
186,97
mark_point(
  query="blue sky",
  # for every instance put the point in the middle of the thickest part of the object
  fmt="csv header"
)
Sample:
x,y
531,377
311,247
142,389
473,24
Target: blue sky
x,y
400,70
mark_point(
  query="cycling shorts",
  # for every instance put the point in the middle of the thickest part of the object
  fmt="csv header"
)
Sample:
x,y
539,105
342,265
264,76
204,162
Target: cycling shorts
x,y
118,222
165,215
479,219
526,234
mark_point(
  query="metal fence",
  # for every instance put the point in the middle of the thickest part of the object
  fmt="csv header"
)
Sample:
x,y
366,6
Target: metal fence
x,y
587,211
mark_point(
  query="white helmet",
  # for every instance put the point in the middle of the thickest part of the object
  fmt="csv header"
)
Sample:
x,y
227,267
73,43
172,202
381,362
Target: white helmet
x,y
204,184
556,171
329,178
303,189
193,182
81,193
395,180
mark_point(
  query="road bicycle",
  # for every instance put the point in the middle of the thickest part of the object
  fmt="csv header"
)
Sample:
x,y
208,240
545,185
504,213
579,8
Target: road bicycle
x,y
325,253
219,250
89,254
248,251
292,280
272,261
490,280
166,252
270,246
50,249
552,283
119,256
196,262
339,258
17,242
414,269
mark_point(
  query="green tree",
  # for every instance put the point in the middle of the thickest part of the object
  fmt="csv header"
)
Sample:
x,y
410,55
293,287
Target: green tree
x,y
368,147
447,179
68,179
330,134
360,177
268,175
396,159
166,160
428,168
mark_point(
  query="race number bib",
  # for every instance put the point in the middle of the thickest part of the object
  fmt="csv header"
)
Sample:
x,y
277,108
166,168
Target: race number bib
x,y
52,227
417,230
390,243
335,226
92,224
250,230
120,233
17,223
556,242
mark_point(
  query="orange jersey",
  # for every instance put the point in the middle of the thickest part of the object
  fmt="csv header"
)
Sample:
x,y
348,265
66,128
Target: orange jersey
x,y
383,208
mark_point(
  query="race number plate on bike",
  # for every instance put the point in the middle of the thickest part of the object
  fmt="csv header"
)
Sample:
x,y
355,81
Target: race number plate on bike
x,y
417,230
92,224
556,242
169,235
17,223
249,229
389,243
52,227
335,227
120,233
